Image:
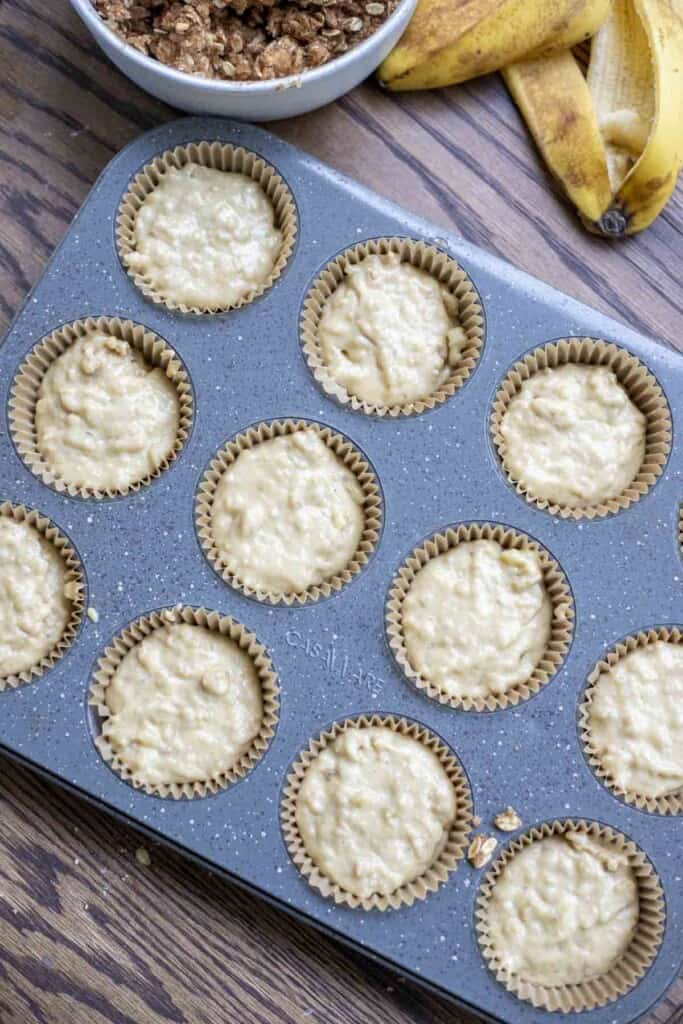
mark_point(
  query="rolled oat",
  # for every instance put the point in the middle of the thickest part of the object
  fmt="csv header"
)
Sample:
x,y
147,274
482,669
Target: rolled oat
x,y
481,850
508,820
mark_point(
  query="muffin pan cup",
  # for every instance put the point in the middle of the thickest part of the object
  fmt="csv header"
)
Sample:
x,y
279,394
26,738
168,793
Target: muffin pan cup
x,y
466,308
26,387
127,640
74,589
639,384
217,156
637,957
441,867
668,803
347,454
333,661
556,587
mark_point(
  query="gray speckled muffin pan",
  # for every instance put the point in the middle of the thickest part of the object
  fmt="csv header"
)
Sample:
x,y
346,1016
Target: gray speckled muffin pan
x,y
333,660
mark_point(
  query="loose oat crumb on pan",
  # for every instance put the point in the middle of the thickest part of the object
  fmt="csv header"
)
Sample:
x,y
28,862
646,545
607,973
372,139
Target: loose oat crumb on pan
x,y
93,614
508,820
243,40
481,850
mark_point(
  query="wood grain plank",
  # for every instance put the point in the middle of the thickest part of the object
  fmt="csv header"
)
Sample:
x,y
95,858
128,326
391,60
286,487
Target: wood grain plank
x,y
88,935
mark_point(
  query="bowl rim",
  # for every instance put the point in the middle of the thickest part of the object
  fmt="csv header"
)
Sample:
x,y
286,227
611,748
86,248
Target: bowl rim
x,y
98,26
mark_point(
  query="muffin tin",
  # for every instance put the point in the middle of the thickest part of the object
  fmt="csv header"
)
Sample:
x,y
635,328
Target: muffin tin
x,y
141,552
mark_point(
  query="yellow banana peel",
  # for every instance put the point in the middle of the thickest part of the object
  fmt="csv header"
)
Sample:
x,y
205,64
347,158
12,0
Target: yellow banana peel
x,y
613,140
553,96
635,77
450,41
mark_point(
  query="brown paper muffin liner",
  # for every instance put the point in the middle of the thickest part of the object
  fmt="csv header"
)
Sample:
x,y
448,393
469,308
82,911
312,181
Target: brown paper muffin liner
x,y
639,384
632,965
74,590
438,872
670,803
221,157
26,387
136,631
349,456
467,309
557,588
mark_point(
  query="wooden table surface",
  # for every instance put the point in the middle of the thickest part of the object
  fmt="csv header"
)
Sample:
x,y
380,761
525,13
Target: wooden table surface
x,y
88,935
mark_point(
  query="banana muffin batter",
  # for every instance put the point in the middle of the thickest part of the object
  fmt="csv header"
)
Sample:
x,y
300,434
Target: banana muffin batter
x,y
287,514
105,418
389,333
636,719
563,910
34,606
205,238
184,705
476,619
573,436
374,810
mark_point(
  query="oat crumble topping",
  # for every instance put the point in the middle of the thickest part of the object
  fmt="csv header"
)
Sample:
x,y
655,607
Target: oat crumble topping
x,y
244,40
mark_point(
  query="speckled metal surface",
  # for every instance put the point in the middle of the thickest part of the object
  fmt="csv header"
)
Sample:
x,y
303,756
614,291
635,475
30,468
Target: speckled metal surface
x,y
333,660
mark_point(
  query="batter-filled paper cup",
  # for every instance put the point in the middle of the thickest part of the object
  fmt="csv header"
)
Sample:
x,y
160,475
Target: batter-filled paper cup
x,y
640,386
670,803
74,590
629,968
466,310
26,387
557,588
447,860
219,156
350,457
132,635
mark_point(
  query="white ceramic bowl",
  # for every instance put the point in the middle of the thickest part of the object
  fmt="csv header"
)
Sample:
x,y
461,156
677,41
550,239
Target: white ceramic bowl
x,y
250,101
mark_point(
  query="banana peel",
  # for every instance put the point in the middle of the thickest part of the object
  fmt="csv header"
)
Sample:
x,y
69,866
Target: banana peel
x,y
635,77
614,140
450,41
553,95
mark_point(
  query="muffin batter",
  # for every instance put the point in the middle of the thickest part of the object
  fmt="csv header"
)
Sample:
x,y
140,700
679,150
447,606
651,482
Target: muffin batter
x,y
374,810
205,238
563,910
573,436
287,514
476,619
185,704
104,417
34,607
389,333
636,719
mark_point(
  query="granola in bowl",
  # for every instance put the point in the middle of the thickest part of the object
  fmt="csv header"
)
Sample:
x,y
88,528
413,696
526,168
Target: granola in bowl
x,y
244,40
